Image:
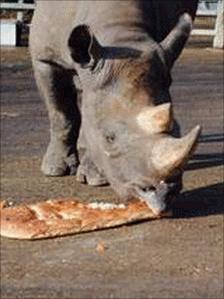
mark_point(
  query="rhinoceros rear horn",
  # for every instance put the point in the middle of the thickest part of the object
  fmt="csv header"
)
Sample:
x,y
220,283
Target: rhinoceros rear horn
x,y
176,39
83,46
171,153
155,119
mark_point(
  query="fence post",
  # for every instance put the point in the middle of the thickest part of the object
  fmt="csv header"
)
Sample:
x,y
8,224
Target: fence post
x,y
20,13
218,41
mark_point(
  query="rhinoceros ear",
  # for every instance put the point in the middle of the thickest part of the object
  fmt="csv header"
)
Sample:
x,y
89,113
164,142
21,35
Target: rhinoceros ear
x,y
84,47
170,153
155,119
176,39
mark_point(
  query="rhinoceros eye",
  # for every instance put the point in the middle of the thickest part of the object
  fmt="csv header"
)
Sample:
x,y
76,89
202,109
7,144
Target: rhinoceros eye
x,y
148,188
110,137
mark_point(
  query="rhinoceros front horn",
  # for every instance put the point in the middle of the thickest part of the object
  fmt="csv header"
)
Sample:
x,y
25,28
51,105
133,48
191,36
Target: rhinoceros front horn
x,y
171,153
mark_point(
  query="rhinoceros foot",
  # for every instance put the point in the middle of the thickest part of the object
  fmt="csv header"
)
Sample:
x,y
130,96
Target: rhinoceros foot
x,y
57,162
88,173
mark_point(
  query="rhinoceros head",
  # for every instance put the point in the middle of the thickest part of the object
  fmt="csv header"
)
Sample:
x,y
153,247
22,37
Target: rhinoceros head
x,y
127,119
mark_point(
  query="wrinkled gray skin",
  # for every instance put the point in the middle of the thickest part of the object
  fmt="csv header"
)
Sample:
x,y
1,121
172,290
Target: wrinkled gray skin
x,y
98,64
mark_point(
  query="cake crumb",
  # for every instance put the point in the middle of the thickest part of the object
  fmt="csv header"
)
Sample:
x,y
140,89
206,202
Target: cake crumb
x,y
101,247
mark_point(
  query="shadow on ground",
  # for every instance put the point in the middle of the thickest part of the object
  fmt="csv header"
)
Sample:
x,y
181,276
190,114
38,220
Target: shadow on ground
x,y
205,160
204,201
202,160
211,138
207,200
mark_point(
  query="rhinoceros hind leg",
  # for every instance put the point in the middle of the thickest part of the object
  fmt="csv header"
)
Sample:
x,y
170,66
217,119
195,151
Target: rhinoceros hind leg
x,y
56,85
88,173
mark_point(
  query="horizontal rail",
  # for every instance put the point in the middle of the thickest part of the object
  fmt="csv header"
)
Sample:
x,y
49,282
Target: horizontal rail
x,y
206,13
204,32
17,6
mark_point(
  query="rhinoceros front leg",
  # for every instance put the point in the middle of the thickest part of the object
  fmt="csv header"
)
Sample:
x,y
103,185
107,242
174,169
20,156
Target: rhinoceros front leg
x,y
87,172
60,95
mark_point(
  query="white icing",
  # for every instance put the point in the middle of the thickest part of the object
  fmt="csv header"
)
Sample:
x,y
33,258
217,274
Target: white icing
x,y
105,206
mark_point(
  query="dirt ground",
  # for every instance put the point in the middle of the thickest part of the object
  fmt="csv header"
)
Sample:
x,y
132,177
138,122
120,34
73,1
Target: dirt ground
x,y
180,257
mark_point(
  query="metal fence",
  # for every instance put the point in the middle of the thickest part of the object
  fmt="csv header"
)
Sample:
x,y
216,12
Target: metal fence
x,y
20,6
206,8
212,8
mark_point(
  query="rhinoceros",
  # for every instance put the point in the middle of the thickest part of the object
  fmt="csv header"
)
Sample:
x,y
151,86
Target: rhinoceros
x,y
104,70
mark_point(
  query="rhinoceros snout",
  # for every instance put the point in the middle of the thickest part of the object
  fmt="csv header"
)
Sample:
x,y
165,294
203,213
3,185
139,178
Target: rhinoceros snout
x,y
154,197
159,198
